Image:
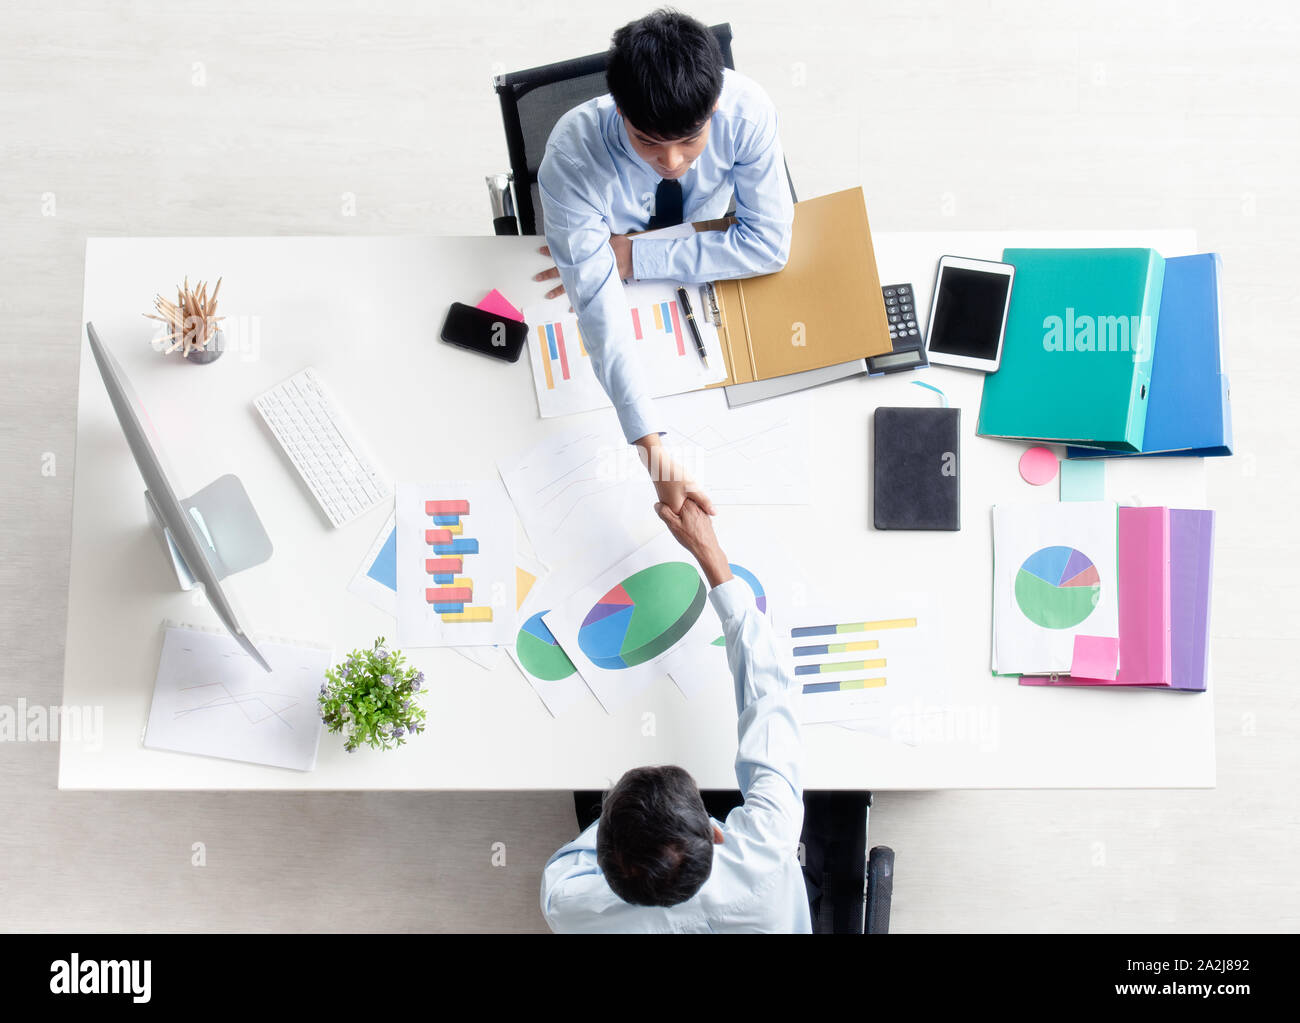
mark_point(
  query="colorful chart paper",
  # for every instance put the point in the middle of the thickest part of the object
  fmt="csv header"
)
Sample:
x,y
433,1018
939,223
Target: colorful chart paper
x,y
1054,577
655,333
643,616
618,627
539,653
456,579
877,665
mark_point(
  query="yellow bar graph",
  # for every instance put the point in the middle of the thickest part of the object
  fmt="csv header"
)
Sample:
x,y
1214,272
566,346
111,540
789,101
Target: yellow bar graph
x,y
890,623
581,347
470,614
546,357
659,320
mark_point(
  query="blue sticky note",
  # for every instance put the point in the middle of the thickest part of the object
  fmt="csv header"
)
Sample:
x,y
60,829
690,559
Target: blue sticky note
x,y
1083,480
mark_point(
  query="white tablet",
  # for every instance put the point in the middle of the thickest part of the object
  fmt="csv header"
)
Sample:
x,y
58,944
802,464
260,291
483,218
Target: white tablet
x,y
968,314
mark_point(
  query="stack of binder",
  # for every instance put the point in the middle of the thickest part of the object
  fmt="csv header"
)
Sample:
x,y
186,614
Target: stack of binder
x,y
1112,352
1165,565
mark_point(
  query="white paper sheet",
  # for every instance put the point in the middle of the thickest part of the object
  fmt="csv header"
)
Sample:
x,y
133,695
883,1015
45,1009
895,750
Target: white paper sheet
x,y
1035,619
212,699
881,664
541,660
659,335
665,604
375,581
485,575
583,490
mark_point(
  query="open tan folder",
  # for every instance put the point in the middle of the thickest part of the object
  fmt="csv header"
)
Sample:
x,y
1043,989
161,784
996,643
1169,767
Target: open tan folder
x,y
823,309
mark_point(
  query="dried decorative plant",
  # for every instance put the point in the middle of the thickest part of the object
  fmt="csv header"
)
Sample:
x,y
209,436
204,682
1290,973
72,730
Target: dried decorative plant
x,y
190,322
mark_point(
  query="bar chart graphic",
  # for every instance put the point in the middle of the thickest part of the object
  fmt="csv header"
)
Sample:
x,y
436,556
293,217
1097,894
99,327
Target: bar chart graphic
x,y
847,657
452,594
560,341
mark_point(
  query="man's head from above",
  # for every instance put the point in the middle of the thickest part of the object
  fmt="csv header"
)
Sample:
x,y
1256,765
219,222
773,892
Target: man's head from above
x,y
655,840
665,74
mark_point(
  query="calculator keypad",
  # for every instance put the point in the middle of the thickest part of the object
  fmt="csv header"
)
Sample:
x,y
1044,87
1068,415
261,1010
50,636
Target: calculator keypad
x,y
900,307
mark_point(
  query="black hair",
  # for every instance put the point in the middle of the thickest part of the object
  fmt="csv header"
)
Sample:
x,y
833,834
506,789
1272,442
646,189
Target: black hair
x,y
665,74
655,840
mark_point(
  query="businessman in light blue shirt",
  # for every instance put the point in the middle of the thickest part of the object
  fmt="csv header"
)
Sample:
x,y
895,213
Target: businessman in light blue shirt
x,y
655,861
676,136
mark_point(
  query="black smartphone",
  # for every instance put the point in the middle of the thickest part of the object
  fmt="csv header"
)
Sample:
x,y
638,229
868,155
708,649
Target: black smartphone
x,y
488,333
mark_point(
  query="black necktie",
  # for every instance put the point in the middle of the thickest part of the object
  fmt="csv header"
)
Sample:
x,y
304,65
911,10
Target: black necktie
x,y
668,204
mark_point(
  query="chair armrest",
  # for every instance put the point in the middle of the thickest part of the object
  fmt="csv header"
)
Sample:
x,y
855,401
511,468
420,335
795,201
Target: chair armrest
x,y
880,889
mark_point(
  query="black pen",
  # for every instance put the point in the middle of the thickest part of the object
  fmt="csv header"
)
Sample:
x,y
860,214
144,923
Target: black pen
x,y
684,301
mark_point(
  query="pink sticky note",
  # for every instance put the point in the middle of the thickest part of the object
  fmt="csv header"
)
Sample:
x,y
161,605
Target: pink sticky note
x,y
1038,466
495,302
1095,657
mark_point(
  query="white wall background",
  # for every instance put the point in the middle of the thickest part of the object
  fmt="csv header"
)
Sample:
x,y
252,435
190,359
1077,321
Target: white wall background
x,y
155,118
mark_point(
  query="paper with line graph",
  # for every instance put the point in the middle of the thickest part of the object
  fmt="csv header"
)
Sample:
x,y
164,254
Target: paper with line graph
x,y
657,336
877,661
584,489
211,699
455,564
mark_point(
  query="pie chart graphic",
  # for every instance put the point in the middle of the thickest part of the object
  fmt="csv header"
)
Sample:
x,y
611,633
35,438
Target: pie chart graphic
x,y
539,653
1057,587
642,616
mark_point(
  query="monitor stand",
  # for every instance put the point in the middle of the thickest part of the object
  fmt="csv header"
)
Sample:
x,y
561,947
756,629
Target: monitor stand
x,y
228,527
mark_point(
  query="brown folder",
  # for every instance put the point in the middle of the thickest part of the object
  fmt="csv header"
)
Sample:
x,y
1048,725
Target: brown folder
x,y
823,309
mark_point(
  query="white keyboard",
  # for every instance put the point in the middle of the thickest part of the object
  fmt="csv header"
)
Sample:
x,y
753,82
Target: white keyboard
x,y
323,447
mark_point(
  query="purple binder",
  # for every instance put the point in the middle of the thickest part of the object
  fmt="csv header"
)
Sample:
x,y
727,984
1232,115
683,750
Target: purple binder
x,y
1191,562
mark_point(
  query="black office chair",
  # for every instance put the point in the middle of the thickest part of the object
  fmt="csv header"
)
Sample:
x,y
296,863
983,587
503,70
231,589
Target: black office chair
x,y
849,891
532,102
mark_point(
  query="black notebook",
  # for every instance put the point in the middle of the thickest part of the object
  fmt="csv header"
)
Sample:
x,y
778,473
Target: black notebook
x,y
917,483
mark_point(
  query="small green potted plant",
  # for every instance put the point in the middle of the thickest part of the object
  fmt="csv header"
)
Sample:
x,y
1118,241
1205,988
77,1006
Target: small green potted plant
x,y
371,699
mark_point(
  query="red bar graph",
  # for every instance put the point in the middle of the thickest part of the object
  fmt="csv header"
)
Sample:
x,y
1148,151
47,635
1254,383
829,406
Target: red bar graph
x,y
446,507
636,324
677,329
449,594
440,566
564,356
437,536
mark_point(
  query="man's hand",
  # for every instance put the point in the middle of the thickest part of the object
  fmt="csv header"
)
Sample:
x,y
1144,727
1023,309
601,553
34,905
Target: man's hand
x,y
620,243
672,485
693,529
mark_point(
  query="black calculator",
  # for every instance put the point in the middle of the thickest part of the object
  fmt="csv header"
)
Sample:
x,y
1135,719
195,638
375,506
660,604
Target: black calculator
x,y
904,332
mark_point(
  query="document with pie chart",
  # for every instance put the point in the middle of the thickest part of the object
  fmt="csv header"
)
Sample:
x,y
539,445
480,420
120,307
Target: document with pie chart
x,y
1054,578
619,627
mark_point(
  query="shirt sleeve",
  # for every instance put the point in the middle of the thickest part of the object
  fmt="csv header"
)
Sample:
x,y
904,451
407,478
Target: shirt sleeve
x,y
570,863
578,236
759,241
769,748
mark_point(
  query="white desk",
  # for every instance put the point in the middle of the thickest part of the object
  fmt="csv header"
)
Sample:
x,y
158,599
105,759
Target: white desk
x,y
366,313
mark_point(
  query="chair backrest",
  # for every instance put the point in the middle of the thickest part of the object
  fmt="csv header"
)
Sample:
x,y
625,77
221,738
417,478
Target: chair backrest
x,y
533,101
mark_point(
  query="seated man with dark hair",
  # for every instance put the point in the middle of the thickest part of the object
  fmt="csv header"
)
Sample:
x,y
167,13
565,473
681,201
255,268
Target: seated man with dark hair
x,y
655,861
676,137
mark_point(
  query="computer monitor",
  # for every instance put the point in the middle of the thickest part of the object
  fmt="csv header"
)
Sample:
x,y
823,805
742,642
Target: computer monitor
x,y
187,534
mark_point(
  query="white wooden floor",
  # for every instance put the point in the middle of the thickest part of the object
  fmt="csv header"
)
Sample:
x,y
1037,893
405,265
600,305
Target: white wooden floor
x,y
240,117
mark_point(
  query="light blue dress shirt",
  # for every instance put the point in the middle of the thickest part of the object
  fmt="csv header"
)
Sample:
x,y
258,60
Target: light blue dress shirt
x,y
593,184
757,883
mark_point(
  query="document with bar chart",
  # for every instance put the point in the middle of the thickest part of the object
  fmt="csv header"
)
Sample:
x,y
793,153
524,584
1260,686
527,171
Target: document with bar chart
x,y
871,661
455,564
658,335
